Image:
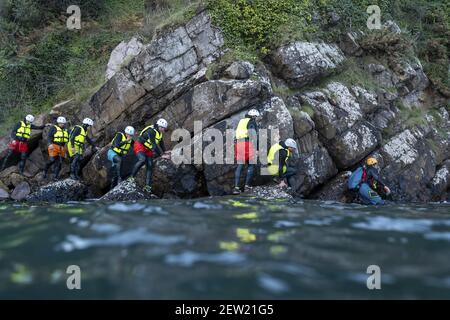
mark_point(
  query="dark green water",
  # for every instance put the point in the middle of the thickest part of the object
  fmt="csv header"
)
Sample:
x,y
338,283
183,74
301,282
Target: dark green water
x,y
230,248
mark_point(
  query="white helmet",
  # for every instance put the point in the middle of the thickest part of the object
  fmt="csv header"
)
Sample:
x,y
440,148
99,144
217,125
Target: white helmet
x,y
129,130
290,143
61,120
253,113
162,123
29,118
88,121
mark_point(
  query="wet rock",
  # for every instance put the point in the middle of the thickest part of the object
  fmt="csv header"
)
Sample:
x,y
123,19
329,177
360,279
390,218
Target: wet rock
x,y
270,192
335,189
21,191
239,70
127,191
122,54
300,63
4,192
60,192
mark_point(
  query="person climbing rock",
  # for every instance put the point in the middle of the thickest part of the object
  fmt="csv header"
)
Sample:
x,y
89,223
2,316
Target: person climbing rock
x,y
57,138
20,134
77,143
365,180
279,166
244,150
120,146
149,146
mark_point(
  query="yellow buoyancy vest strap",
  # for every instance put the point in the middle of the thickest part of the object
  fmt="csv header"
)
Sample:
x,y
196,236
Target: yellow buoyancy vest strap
x,y
124,148
158,137
271,157
242,130
24,131
80,138
61,136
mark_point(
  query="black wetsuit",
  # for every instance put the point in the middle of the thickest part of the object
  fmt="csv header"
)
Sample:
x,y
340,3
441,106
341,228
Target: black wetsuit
x,y
77,159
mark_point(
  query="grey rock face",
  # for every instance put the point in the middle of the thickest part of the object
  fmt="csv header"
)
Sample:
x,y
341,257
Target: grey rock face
x,y
161,72
239,70
60,192
339,115
441,181
21,191
125,51
300,63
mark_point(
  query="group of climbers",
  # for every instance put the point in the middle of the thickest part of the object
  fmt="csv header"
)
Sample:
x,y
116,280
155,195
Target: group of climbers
x,y
364,183
148,146
277,158
60,143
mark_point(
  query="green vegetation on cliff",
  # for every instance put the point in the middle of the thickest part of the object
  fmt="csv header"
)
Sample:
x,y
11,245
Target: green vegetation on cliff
x,y
43,63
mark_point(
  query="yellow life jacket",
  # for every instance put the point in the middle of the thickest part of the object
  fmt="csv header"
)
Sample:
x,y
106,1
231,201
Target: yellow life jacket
x,y
273,168
24,131
80,138
61,136
241,130
124,148
158,137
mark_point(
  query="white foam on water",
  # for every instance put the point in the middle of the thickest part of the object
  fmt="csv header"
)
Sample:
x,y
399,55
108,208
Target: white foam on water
x,y
189,258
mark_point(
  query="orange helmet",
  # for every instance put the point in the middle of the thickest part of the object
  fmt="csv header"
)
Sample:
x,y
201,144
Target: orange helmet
x,y
371,161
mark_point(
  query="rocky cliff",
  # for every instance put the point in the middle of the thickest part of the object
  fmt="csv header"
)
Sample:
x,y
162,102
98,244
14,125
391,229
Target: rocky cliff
x,y
181,76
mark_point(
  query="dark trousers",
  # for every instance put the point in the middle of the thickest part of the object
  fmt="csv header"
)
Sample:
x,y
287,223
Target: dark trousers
x,y
116,171
58,160
23,160
290,172
148,162
76,166
248,178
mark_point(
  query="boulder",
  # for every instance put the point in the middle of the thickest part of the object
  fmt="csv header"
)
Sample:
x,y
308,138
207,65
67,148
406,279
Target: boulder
x,y
441,181
21,191
239,70
313,169
349,44
4,195
303,123
301,63
4,191
353,145
60,192
409,164
335,189
127,191
122,54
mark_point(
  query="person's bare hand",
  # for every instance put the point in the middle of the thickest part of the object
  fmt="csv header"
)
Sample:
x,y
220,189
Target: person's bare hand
x,y
282,184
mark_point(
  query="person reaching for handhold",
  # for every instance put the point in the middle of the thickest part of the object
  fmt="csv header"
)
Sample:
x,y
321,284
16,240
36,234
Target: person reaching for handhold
x,y
58,137
364,180
20,135
149,146
277,160
76,146
120,146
